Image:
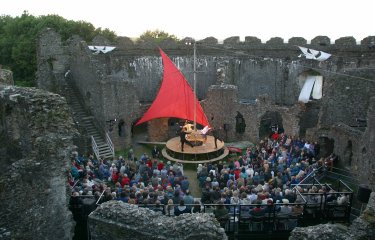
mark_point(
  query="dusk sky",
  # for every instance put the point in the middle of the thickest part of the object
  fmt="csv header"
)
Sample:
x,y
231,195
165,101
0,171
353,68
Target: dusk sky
x,y
221,19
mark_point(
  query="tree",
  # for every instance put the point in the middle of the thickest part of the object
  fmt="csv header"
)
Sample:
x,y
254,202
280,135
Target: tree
x,y
18,41
156,36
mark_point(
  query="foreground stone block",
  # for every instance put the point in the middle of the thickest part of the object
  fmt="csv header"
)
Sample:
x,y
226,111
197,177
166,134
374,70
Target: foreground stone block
x,y
118,220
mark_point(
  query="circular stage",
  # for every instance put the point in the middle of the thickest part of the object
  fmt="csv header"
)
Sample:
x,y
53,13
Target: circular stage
x,y
197,154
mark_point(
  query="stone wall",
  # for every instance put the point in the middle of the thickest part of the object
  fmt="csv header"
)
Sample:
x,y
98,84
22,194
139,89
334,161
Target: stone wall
x,y
354,146
158,130
345,99
36,136
222,106
52,61
119,220
366,151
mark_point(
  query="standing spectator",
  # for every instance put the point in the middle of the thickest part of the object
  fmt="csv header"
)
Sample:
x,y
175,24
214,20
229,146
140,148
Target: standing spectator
x,y
155,152
188,199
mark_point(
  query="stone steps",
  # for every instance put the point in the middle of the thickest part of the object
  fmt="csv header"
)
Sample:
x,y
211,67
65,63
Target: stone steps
x,y
85,121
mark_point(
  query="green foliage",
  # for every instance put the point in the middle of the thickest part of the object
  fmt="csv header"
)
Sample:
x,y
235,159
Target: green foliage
x,y
156,36
18,41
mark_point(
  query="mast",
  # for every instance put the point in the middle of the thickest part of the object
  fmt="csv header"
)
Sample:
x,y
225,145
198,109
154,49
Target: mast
x,y
195,88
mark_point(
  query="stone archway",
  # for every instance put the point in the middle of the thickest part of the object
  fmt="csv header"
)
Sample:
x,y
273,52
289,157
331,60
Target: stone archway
x,y
139,132
269,120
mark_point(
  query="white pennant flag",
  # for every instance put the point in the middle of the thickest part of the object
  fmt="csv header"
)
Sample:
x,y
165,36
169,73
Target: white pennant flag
x,y
101,49
314,54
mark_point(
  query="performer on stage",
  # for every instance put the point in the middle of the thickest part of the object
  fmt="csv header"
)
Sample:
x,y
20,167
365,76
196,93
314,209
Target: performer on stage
x,y
183,139
216,135
204,132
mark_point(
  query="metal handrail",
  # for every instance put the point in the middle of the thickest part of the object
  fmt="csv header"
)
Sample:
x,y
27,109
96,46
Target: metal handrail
x,y
75,184
94,147
308,176
110,144
101,195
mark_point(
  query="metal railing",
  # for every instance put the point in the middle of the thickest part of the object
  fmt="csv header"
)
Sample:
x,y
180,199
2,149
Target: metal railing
x,y
110,144
95,148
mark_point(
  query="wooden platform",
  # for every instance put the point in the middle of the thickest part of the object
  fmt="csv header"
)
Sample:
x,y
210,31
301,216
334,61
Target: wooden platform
x,y
198,154
174,145
222,156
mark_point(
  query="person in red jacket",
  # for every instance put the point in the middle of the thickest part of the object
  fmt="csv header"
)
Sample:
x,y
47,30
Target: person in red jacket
x,y
237,172
160,165
125,180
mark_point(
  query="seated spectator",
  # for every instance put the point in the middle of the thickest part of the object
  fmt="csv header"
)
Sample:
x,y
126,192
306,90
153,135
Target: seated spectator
x,y
181,209
285,209
270,209
197,208
169,208
221,214
158,207
74,170
257,210
297,209
124,197
342,200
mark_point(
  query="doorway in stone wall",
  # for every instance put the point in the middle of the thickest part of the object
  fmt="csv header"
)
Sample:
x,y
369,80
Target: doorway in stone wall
x,y
139,132
269,122
326,146
174,127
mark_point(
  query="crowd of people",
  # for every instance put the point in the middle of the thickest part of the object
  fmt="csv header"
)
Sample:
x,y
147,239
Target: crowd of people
x,y
147,181
263,177
275,164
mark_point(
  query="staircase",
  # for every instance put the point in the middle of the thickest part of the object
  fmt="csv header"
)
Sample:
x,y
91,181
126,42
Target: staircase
x,y
101,147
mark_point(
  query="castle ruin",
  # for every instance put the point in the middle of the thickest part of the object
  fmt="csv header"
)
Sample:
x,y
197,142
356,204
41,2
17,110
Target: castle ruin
x,y
257,82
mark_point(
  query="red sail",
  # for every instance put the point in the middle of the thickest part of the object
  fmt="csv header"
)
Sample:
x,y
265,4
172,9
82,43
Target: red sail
x,y
175,98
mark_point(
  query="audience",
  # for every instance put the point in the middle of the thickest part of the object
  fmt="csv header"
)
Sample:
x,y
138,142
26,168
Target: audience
x,y
261,180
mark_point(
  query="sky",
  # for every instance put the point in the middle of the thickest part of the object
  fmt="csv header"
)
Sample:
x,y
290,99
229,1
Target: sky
x,y
213,18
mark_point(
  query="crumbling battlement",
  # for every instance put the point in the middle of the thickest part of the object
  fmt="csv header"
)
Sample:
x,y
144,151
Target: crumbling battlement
x,y
251,41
